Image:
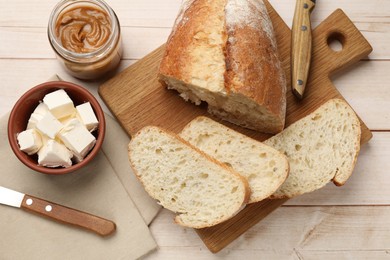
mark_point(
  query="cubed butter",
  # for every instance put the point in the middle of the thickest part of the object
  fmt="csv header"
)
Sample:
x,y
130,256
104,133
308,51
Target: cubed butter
x,y
46,139
59,103
87,116
77,139
29,141
66,120
49,125
54,154
37,115
41,109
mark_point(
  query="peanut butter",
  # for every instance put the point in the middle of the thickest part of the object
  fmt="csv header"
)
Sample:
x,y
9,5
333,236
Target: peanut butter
x,y
83,29
85,35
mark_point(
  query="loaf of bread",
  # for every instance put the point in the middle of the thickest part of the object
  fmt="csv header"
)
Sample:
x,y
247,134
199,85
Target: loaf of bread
x,y
321,147
224,52
202,191
264,167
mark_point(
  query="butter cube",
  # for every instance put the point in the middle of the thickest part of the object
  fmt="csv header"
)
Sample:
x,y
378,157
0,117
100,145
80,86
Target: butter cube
x,y
46,139
59,103
49,125
37,115
41,109
87,116
54,154
29,141
66,120
32,122
77,139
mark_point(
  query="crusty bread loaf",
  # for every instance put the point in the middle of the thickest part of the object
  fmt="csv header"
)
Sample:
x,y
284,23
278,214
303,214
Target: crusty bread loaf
x,y
201,190
264,167
320,147
224,52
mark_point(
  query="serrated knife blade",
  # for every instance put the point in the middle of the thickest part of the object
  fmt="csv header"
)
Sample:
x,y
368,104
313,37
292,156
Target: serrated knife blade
x,y
56,212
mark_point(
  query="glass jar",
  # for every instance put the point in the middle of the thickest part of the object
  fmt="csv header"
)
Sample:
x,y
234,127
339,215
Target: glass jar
x,y
85,35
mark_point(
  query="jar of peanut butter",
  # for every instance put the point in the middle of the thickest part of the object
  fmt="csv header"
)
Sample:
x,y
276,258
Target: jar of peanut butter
x,y
85,35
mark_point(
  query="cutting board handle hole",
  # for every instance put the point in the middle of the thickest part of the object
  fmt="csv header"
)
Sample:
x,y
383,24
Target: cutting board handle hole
x,y
336,41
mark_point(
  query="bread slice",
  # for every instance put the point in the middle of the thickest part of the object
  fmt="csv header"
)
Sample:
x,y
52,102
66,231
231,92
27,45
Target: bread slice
x,y
264,167
224,52
201,190
321,147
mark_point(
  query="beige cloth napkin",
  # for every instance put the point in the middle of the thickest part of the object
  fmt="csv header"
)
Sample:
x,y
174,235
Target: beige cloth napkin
x,y
115,149
96,189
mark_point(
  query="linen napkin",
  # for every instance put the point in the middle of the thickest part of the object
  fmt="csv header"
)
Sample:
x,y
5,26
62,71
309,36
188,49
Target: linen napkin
x,y
115,149
95,189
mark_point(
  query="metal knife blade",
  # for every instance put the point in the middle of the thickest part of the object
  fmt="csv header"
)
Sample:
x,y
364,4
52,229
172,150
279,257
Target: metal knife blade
x,y
11,197
57,212
301,45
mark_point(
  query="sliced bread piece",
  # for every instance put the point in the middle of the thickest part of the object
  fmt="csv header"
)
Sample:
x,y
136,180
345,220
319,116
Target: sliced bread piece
x,y
183,179
321,147
264,167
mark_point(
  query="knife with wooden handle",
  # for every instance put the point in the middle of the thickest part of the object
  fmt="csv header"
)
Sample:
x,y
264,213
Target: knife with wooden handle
x,y
301,46
57,212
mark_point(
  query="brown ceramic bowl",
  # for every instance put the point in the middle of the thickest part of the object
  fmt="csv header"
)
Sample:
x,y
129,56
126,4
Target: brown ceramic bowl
x,y
23,109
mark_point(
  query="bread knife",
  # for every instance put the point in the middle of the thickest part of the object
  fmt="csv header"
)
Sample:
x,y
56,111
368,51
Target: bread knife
x,y
56,212
301,42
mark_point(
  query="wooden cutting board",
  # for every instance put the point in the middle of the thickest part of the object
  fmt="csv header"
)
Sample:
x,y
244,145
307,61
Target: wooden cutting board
x,y
137,99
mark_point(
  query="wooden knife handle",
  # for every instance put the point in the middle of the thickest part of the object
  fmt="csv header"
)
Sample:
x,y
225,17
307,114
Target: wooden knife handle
x,y
301,46
67,215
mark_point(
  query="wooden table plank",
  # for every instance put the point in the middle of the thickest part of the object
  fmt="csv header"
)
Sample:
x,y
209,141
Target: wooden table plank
x,y
155,13
357,10
380,254
139,41
289,231
151,13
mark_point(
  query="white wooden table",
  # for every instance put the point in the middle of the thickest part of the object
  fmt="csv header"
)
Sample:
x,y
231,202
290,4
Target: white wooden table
x,y
351,222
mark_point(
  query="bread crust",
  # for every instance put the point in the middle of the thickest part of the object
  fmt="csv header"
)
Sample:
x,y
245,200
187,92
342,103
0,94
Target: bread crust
x,y
253,67
339,181
177,60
